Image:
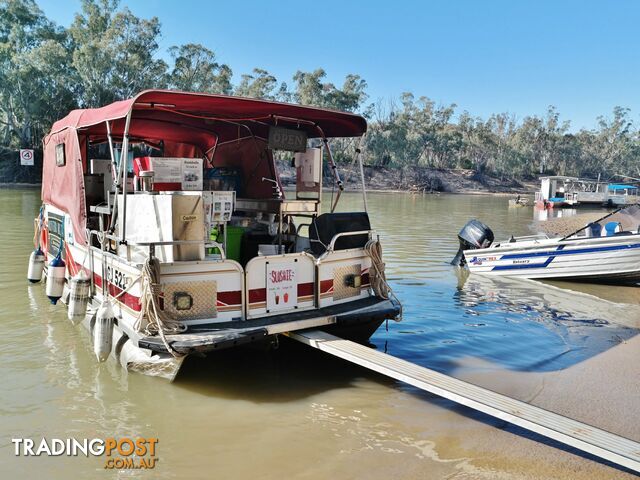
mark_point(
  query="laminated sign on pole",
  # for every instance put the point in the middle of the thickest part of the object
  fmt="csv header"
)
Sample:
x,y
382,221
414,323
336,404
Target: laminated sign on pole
x,y
26,157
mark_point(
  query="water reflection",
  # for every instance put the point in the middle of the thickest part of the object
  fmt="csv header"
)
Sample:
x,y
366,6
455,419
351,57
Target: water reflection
x,y
543,214
548,300
574,317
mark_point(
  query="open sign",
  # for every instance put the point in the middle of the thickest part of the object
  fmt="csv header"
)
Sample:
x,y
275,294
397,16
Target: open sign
x,y
287,139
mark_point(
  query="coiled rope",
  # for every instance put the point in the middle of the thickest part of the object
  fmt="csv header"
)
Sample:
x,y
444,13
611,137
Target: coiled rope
x,y
379,280
158,322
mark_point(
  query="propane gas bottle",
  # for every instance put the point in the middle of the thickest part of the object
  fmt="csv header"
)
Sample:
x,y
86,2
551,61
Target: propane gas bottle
x,y
55,279
78,297
36,265
103,331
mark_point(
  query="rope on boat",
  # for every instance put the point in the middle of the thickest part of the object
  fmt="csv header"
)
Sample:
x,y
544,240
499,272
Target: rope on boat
x,y
158,322
38,223
378,280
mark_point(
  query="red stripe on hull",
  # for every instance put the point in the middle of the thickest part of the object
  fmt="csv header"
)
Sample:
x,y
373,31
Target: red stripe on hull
x,y
326,285
129,300
230,298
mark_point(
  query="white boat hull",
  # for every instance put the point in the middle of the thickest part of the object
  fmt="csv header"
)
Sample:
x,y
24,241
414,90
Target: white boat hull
x,y
604,259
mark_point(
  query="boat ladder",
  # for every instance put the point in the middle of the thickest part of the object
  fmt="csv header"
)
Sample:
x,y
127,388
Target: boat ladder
x,y
589,439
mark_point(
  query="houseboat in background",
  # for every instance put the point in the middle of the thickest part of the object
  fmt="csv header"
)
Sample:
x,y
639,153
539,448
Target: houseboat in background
x,y
562,191
166,231
620,194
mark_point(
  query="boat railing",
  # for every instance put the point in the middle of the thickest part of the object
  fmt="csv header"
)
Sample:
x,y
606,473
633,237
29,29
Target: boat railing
x,y
207,244
332,243
153,245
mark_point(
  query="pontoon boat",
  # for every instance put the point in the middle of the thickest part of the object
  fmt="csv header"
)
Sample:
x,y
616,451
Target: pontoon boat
x,y
165,215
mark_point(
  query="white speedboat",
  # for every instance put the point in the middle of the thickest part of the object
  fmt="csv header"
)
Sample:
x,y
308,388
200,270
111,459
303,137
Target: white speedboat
x,y
597,253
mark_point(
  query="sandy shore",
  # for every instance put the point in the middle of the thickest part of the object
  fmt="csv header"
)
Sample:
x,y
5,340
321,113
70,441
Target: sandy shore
x,y
603,391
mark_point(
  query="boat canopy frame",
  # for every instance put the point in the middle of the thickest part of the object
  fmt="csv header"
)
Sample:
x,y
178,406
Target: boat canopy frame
x,y
206,121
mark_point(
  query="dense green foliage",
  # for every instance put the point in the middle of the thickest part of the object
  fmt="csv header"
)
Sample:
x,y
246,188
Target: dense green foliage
x,y
109,54
417,132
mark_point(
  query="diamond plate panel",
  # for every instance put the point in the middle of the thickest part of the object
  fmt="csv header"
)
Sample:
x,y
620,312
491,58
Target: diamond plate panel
x,y
340,288
204,295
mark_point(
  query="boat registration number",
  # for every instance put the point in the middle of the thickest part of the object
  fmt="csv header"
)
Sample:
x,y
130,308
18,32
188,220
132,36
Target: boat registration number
x,y
117,278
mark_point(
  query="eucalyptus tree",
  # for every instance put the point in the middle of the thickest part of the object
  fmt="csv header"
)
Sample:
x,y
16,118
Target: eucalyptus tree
x,y
195,69
34,69
109,54
258,84
310,89
614,144
114,52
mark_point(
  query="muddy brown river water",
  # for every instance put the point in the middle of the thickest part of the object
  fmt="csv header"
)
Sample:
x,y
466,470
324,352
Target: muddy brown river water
x,y
297,413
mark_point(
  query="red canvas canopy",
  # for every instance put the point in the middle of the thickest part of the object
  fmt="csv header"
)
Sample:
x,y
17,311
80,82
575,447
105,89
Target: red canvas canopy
x,y
200,109
189,125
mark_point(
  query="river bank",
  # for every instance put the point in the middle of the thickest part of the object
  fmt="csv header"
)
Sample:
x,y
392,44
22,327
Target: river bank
x,y
20,185
407,179
419,180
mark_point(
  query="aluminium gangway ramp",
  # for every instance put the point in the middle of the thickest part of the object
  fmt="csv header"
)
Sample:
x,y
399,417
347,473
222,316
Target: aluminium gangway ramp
x,y
606,445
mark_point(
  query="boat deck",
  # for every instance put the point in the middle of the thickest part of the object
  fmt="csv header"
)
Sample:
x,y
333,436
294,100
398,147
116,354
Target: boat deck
x,y
220,335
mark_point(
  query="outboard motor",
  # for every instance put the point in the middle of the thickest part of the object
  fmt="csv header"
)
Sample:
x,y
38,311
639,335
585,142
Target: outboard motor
x,y
474,234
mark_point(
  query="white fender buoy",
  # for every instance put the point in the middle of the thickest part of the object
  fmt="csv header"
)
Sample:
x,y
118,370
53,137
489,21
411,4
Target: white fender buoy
x,y
103,331
55,279
79,290
36,265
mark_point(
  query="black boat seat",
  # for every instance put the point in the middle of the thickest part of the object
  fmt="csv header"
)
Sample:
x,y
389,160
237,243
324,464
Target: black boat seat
x,y
593,230
326,226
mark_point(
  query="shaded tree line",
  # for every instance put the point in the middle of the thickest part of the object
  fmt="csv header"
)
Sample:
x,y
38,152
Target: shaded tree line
x,y
418,132
108,54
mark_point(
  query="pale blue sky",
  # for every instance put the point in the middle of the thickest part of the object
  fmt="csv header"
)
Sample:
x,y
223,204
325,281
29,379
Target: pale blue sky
x,y
485,56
